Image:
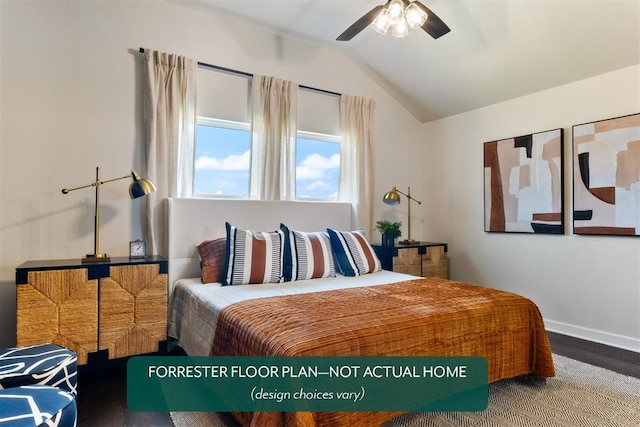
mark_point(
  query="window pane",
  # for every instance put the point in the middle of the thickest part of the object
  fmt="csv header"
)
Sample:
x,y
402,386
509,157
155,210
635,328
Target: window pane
x,y
222,161
317,168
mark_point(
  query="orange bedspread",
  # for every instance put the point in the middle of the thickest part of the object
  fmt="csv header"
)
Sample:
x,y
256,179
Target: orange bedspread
x,y
421,317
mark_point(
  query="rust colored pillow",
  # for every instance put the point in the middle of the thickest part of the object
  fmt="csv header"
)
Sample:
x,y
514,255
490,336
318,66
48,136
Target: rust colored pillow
x,y
212,253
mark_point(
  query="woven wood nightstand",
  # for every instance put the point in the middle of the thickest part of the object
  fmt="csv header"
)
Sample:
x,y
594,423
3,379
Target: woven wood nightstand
x,y
426,259
118,306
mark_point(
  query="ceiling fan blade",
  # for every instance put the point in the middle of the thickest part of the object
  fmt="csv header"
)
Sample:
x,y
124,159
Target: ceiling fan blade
x,y
360,24
434,26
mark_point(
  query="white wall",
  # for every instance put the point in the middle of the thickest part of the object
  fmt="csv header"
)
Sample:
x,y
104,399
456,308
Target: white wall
x,y
586,286
70,75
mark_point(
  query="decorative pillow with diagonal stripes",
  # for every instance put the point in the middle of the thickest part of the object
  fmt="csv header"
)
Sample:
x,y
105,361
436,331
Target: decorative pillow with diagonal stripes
x,y
253,257
354,255
307,255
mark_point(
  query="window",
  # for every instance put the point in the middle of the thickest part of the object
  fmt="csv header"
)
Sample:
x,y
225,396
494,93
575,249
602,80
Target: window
x,y
223,140
222,156
317,166
222,159
318,146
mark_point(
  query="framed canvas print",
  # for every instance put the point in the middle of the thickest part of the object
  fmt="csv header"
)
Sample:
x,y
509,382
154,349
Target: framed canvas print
x,y
606,177
524,184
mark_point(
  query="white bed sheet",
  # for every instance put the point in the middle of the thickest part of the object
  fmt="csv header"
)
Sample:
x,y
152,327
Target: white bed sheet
x,y
194,307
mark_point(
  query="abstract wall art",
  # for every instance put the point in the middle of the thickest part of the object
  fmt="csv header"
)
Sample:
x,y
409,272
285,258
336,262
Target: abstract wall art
x,y
524,184
606,177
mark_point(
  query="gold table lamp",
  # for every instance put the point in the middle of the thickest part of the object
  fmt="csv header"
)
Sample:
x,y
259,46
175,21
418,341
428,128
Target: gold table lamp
x,y
393,198
138,188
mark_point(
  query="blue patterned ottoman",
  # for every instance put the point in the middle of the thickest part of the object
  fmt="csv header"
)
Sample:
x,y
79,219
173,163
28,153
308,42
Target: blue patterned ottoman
x,y
37,405
46,364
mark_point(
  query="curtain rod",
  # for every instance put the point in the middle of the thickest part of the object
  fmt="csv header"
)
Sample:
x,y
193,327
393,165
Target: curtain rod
x,y
245,74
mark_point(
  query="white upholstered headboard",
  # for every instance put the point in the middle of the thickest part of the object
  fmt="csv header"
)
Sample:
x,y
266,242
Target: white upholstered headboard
x,y
190,221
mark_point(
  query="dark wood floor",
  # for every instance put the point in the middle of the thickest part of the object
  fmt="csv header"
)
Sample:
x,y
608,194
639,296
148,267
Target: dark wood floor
x,y
612,358
102,395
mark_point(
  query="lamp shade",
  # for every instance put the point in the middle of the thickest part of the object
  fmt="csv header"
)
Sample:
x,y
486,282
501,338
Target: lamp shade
x,y
391,197
140,186
416,17
400,27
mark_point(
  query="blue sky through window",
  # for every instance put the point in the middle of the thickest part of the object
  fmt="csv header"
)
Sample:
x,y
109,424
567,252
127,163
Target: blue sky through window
x,y
317,169
222,162
222,159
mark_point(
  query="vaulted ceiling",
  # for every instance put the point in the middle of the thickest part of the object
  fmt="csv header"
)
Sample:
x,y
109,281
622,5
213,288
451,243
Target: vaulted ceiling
x,y
496,50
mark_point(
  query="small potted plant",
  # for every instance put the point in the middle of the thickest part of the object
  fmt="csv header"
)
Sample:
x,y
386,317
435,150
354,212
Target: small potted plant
x,y
390,231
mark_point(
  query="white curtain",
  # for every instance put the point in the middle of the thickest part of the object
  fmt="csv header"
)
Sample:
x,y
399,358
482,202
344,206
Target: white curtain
x,y
273,139
356,157
170,119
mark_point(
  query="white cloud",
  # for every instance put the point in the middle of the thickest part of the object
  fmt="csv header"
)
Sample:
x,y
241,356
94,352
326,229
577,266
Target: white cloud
x,y
314,166
233,162
318,185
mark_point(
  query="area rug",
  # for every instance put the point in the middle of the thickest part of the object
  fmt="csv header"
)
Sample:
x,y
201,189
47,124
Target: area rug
x,y
579,395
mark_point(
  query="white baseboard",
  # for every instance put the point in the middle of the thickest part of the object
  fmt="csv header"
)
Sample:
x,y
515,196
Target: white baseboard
x,y
614,340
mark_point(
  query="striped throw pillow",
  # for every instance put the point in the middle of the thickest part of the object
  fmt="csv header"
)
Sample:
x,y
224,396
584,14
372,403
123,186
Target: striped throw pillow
x,y
307,255
354,255
253,256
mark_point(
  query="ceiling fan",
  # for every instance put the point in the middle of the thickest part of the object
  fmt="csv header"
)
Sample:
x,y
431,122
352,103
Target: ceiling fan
x,y
399,15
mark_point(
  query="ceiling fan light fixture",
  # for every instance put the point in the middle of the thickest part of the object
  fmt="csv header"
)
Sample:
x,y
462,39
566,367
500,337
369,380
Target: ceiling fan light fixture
x,y
401,16
415,16
400,28
382,22
396,8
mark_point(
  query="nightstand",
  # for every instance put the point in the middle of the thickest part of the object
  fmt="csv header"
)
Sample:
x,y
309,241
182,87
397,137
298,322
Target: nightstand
x,y
118,306
427,259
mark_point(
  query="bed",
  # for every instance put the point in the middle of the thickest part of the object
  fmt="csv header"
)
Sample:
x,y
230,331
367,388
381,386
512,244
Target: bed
x,y
379,313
